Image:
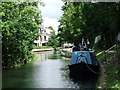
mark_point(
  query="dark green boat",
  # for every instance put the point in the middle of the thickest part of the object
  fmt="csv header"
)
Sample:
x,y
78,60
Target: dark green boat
x,y
84,65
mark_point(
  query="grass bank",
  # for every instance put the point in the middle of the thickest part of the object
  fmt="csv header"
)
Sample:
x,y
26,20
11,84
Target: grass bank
x,y
41,47
109,77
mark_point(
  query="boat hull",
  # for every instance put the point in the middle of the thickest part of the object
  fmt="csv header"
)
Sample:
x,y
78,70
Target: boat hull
x,y
83,71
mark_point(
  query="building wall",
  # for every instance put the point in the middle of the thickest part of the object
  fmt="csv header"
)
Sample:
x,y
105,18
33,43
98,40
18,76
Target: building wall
x,y
42,38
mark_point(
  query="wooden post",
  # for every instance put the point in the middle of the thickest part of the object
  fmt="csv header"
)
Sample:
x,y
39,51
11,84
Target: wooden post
x,y
105,55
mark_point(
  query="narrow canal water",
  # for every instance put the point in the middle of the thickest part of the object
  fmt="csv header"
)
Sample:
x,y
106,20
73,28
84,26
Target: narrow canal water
x,y
49,70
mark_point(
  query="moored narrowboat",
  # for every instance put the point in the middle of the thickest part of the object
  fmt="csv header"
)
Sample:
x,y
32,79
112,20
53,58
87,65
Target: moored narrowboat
x,y
84,65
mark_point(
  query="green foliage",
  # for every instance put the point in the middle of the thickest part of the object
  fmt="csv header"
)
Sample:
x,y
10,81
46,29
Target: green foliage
x,y
102,19
88,20
53,40
112,73
69,24
19,29
50,27
41,47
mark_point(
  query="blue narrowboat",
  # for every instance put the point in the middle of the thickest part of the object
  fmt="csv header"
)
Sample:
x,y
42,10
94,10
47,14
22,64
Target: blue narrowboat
x,y
84,65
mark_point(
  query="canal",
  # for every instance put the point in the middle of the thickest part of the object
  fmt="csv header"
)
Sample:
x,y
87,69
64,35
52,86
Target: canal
x,y
49,70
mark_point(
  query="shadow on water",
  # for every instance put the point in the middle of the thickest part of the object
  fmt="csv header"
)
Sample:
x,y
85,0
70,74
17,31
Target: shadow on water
x,y
89,84
48,71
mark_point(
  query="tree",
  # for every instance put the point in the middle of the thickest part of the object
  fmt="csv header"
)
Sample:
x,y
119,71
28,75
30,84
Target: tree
x,y
88,20
71,21
102,19
53,41
50,27
19,29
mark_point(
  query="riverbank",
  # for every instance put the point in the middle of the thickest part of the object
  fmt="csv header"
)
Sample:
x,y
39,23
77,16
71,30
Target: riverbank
x,y
109,77
41,50
66,52
33,57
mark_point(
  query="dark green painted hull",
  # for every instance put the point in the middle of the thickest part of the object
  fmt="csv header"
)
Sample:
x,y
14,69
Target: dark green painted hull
x,y
83,71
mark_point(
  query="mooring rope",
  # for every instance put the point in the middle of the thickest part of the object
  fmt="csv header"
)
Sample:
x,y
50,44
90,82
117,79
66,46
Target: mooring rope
x,y
91,69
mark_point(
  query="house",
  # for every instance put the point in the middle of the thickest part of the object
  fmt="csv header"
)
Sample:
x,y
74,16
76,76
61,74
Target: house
x,y
43,37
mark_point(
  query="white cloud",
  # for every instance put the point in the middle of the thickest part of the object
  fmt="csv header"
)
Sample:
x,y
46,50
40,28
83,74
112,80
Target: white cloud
x,y
50,22
51,12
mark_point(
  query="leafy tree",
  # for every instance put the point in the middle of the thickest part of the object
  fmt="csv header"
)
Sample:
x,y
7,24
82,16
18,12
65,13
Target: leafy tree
x,y
53,41
19,29
102,19
50,27
88,20
71,21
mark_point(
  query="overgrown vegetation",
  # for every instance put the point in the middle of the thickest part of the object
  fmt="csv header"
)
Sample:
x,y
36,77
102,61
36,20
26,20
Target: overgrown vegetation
x,y
110,63
88,20
20,22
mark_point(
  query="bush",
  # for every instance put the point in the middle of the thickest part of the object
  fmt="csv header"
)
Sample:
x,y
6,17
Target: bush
x,y
19,29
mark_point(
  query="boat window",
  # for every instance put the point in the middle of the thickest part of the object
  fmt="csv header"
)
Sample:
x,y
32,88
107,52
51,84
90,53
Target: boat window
x,y
82,57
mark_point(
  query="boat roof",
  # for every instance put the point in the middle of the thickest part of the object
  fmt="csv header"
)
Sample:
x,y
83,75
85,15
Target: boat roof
x,y
82,56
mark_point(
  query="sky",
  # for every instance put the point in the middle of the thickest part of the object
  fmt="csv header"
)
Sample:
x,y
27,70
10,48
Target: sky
x,y
51,13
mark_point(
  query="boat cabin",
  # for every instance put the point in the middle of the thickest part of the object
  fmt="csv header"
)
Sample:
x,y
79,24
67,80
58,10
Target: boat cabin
x,y
84,56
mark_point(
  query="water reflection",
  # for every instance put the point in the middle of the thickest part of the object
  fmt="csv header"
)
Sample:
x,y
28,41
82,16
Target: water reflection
x,y
48,71
83,85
